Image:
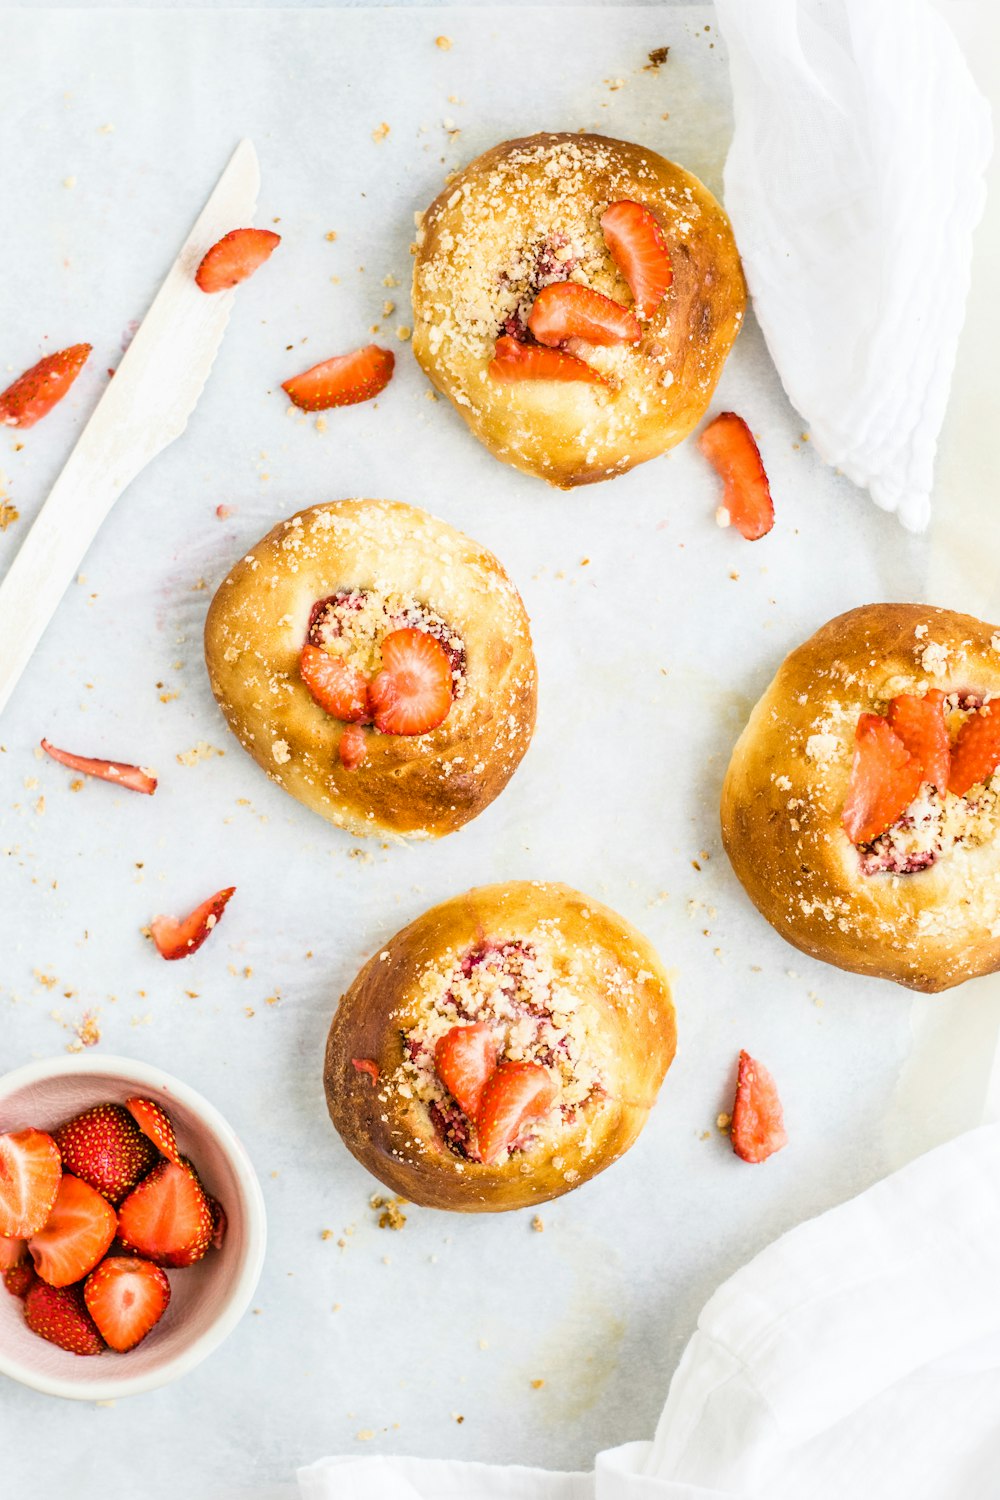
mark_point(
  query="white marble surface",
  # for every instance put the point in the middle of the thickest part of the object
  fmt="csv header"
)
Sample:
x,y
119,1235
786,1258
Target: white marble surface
x,y
649,658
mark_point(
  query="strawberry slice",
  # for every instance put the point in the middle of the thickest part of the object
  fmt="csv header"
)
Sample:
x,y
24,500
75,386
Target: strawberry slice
x,y
30,1169
566,310
515,1094
167,1218
118,771
513,361
154,1123
77,1233
235,257
105,1148
19,1279
413,692
366,1065
976,753
343,380
353,747
12,1252
38,390
60,1315
728,444
640,252
178,939
884,781
126,1297
340,689
920,724
465,1059
758,1128
220,1223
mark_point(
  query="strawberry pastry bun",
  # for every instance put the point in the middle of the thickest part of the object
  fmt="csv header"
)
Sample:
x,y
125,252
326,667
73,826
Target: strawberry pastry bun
x,y
501,1050
861,808
378,665
575,297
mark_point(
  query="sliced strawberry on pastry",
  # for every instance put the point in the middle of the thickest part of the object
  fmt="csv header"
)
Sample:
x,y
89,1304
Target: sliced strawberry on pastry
x,y
60,1315
513,361
413,692
340,689
178,939
126,1297
638,249
976,752
728,444
565,310
343,380
920,724
76,1235
515,1094
167,1218
106,1149
758,1127
884,780
235,257
120,772
365,1065
353,747
34,394
155,1124
465,1059
30,1169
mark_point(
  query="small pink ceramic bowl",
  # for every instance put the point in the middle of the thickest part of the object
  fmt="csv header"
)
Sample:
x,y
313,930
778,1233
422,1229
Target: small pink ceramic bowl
x,y
208,1299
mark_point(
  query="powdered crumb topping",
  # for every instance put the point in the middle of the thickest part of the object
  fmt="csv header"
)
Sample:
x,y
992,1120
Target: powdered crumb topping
x,y
354,622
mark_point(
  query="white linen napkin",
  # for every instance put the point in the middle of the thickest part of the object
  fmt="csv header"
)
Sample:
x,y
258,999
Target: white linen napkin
x,y
854,182
859,1355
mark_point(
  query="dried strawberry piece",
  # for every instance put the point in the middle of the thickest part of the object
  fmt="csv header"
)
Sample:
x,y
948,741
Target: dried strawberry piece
x,y
178,939
884,781
37,391
729,446
118,771
343,380
235,257
758,1127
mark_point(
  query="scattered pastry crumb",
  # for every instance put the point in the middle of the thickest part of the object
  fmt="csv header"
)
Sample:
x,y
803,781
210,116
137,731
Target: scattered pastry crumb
x,y
457,1417
88,1033
538,1224
380,132
403,332
281,752
331,235
69,182
202,751
934,659
657,57
390,1216
444,42
365,1435
536,1385
326,1234
389,280
8,514
723,1122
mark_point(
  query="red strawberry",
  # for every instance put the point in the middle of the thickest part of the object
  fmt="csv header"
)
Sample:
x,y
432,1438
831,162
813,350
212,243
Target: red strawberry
x,y
343,380
126,1297
338,688
12,1252
640,252
30,1169
353,747
167,1218
465,1059
884,781
920,724
60,1315
177,939
77,1232
412,694
37,391
154,1122
105,1150
20,1279
758,1128
118,771
513,360
516,1093
976,753
366,1065
566,310
235,257
728,444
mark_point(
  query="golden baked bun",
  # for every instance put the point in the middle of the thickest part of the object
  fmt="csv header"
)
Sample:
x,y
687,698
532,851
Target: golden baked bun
x,y
322,600
548,1000
861,726
527,215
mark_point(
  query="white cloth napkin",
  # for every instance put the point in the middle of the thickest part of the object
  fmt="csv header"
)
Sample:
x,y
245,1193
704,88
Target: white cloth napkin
x,y
854,182
858,1356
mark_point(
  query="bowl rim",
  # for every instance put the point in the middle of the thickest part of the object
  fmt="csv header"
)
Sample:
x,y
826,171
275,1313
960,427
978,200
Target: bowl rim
x,y
131,1070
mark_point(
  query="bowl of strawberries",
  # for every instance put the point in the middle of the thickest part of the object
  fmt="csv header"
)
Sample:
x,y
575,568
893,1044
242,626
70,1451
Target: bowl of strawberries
x,y
132,1227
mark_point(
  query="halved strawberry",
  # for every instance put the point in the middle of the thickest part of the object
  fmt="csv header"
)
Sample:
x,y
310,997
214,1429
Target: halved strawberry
x,y
235,257
758,1128
565,310
339,689
154,1123
365,1065
515,1094
884,780
30,1169
118,771
920,724
638,249
353,747
105,1148
126,1297
465,1059
514,361
220,1223
178,939
413,692
12,1251
19,1279
167,1218
343,380
60,1315
976,752
728,444
37,391
77,1233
